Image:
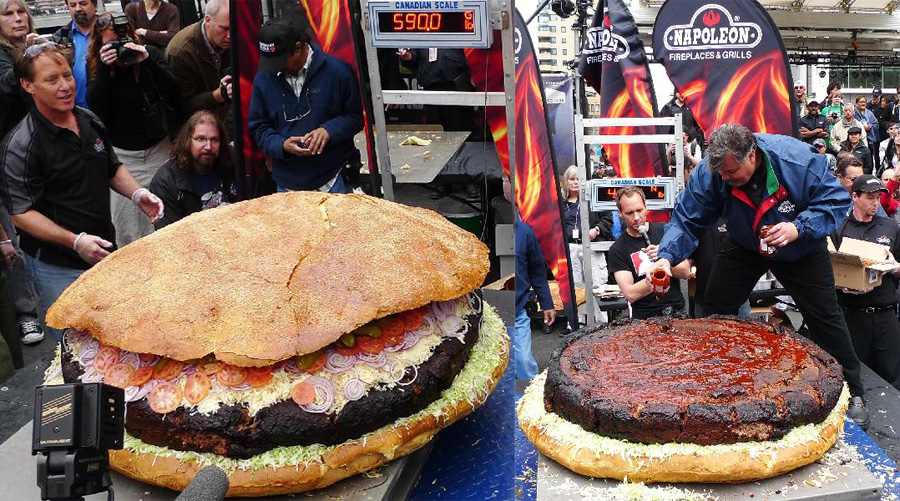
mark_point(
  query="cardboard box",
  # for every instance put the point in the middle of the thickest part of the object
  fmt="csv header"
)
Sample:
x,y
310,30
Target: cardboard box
x,y
858,265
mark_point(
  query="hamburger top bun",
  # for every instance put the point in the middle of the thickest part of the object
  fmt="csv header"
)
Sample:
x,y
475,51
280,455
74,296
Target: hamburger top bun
x,y
262,280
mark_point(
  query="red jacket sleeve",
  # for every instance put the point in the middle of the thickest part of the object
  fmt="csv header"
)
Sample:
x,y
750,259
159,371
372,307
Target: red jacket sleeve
x,y
888,202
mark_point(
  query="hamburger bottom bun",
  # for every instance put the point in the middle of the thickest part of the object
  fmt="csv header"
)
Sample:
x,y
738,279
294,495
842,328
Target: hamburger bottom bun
x,y
590,454
487,362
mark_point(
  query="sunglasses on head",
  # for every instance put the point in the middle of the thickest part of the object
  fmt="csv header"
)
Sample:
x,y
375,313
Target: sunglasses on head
x,y
35,50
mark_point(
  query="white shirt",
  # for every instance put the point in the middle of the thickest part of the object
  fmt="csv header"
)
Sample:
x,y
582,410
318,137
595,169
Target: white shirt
x,y
296,82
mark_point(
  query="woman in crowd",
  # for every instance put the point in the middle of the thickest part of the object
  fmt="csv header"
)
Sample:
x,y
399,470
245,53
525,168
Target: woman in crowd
x,y
16,33
572,226
200,173
155,21
132,90
857,146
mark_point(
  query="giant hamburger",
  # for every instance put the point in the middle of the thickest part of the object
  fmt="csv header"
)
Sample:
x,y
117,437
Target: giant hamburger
x,y
686,400
292,340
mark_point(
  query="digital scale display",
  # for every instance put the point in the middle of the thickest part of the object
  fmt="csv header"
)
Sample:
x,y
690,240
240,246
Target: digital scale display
x,y
426,24
659,192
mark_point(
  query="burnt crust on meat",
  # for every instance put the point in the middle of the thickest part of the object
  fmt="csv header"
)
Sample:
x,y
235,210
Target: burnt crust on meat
x,y
232,432
716,380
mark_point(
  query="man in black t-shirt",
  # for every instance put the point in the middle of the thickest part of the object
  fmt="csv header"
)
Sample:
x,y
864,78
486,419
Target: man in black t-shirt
x,y
631,255
58,168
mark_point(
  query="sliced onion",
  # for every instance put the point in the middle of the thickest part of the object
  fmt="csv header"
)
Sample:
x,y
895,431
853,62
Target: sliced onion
x,y
415,375
131,393
354,390
91,342
409,341
151,362
476,302
290,368
394,348
336,363
188,370
453,327
372,360
443,309
130,358
145,389
428,327
324,391
91,376
240,387
86,354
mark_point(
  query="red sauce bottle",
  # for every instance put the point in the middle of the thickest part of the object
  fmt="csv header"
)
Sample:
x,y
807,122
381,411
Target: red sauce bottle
x,y
766,250
659,282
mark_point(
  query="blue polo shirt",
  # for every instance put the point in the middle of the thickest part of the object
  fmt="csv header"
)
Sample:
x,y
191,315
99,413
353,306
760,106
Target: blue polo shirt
x,y
79,71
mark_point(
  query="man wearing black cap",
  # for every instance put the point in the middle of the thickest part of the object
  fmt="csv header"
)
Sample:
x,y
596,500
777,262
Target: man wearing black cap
x,y
304,110
855,145
813,126
872,315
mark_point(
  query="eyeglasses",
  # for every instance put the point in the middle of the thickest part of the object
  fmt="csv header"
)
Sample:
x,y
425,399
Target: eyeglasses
x,y
39,48
213,141
300,116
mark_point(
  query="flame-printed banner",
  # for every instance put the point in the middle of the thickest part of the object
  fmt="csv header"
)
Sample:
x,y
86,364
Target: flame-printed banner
x,y
486,67
332,29
614,63
728,61
537,191
561,111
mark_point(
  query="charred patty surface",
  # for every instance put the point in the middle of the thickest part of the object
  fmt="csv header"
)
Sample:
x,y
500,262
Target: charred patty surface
x,y
704,381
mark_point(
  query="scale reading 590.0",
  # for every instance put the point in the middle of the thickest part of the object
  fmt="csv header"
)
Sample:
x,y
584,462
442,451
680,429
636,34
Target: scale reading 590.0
x,y
430,23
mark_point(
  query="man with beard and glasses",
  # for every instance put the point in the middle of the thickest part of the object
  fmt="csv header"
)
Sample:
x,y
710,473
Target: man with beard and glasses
x,y
199,175
77,34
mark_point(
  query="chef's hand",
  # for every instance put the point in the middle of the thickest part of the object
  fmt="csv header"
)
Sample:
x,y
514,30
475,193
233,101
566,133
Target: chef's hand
x,y
652,252
855,292
660,264
91,248
9,254
549,317
782,234
149,203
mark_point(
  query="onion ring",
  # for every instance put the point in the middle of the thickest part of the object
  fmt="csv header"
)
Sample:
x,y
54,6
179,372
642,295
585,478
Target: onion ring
x,y
324,390
354,390
337,363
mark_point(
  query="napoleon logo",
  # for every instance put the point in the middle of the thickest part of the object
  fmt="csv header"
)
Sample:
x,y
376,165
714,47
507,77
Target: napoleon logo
x,y
99,146
602,45
883,240
267,47
786,207
712,27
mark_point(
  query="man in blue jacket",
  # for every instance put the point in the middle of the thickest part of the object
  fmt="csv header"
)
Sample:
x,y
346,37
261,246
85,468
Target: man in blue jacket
x,y
304,110
756,180
531,272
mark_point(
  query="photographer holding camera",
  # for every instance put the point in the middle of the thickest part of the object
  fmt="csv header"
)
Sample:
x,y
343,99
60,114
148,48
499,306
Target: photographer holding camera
x,y
132,90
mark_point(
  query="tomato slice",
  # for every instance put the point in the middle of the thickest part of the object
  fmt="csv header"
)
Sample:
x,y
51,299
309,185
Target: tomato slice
x,y
168,369
210,368
315,365
197,387
348,352
146,358
392,327
142,375
259,376
303,393
412,319
230,375
373,345
119,375
165,398
107,357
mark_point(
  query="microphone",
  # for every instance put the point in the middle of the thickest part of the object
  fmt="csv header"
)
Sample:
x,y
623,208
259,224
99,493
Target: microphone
x,y
209,484
643,230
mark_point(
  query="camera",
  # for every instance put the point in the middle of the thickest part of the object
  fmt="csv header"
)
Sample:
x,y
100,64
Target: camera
x,y
834,114
120,27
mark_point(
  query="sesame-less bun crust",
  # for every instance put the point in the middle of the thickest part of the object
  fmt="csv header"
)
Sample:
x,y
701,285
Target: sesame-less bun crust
x,y
589,454
259,281
345,460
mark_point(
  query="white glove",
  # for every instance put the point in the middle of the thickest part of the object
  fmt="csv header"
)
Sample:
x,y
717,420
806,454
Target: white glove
x,y
149,203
